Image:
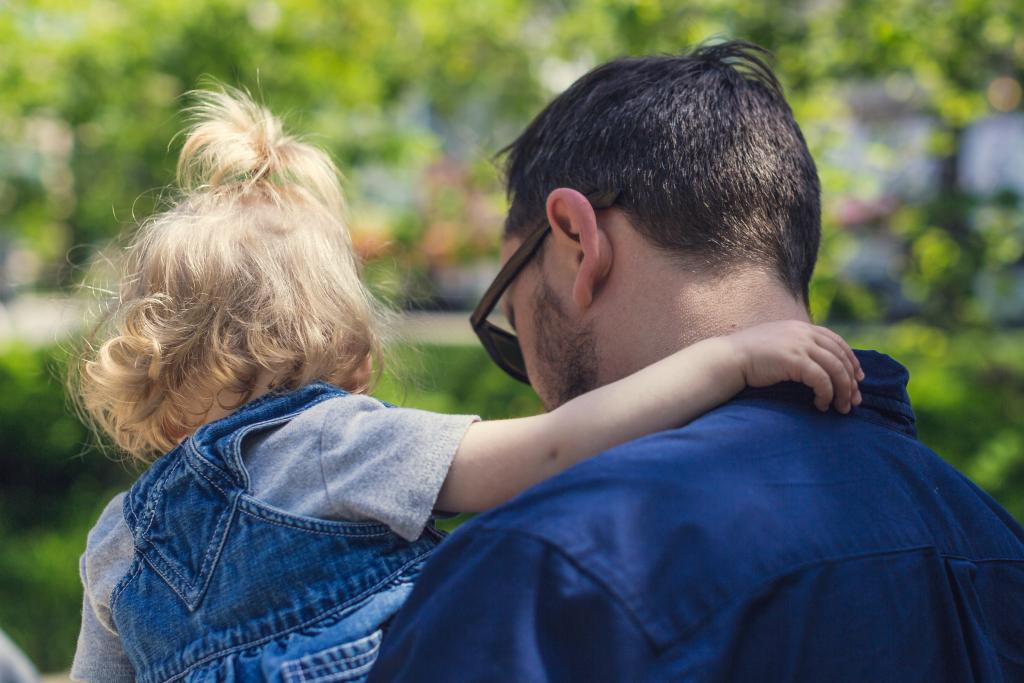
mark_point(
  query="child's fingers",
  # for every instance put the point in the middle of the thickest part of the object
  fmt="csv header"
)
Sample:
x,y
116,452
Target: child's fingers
x,y
816,377
837,350
841,349
846,384
849,351
838,374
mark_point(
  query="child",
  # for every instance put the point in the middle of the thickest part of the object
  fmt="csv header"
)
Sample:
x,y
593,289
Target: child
x,y
286,513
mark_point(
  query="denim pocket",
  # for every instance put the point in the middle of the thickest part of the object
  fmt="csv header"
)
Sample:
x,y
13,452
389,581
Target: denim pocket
x,y
348,662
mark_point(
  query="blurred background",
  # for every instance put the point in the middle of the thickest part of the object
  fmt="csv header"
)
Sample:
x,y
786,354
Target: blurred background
x,y
912,109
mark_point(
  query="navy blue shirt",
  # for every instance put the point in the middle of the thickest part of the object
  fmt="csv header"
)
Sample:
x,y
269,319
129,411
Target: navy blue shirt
x,y
765,541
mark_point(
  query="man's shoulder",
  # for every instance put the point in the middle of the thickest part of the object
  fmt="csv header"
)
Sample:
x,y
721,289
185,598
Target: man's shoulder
x,y
753,458
679,521
708,487
724,465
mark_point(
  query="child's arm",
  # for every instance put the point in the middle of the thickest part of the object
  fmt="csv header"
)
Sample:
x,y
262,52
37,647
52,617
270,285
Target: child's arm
x,y
498,459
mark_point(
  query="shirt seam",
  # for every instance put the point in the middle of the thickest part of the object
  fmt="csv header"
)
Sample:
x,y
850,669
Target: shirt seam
x,y
320,461
371,533
624,605
791,571
682,634
963,558
910,433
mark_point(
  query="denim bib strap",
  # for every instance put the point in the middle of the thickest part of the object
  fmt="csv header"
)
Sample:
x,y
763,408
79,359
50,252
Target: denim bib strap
x,y
183,548
181,509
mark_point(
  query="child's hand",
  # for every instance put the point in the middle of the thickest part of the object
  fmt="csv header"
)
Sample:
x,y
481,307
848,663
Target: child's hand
x,y
790,350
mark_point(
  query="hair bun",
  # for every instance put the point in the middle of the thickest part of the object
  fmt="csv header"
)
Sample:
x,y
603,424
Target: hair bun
x,y
235,144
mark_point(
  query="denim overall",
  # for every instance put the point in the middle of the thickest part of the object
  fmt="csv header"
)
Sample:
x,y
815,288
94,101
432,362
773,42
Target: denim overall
x,y
226,588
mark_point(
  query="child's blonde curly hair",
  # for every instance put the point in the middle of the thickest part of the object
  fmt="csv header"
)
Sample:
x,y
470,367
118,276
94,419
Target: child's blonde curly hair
x,y
251,273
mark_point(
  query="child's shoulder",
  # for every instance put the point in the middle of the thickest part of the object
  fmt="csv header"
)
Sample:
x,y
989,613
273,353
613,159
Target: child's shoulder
x,y
370,429
358,417
371,462
349,403
109,526
304,432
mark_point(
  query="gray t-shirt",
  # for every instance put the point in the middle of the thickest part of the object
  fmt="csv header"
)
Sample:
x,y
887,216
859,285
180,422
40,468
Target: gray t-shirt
x,y
347,458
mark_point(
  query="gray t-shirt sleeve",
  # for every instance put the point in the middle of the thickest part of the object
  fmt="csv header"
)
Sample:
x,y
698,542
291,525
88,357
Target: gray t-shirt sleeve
x,y
354,458
100,656
388,464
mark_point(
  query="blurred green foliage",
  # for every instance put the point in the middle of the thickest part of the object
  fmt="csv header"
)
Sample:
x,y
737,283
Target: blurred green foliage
x,y
54,487
413,97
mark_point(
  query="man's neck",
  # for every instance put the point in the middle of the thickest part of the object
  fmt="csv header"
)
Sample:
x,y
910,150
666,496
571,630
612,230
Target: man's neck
x,y
684,309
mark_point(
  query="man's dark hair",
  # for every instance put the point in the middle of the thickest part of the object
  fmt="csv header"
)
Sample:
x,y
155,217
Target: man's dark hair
x,y
703,147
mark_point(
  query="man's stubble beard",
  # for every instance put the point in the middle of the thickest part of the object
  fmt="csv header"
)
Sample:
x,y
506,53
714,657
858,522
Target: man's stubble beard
x,y
567,352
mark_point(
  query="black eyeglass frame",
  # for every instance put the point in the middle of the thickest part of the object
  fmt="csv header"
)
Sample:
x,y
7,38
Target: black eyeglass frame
x,y
501,345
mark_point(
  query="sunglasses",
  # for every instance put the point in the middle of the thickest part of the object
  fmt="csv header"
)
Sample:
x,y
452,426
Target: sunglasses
x,y
501,344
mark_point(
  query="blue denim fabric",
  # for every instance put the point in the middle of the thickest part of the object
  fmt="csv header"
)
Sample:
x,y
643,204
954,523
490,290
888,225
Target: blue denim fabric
x,y
226,588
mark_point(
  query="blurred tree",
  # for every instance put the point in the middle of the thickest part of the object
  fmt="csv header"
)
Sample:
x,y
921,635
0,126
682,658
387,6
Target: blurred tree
x,y
92,99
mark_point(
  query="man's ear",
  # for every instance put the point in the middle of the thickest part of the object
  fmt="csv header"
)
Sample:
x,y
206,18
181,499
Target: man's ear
x,y
574,224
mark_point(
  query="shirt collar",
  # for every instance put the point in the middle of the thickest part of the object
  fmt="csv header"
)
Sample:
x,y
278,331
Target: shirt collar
x,y
884,390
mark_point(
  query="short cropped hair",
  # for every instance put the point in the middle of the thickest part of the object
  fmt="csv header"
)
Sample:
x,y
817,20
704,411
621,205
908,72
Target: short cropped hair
x,y
703,149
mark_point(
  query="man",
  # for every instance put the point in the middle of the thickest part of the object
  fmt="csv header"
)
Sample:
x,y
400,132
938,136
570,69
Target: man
x,y
656,202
